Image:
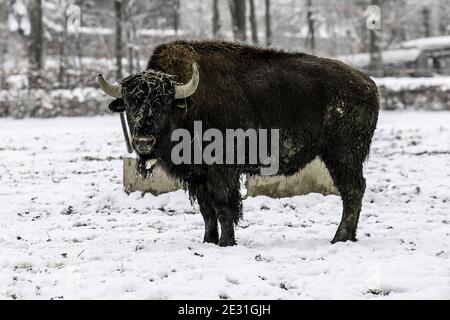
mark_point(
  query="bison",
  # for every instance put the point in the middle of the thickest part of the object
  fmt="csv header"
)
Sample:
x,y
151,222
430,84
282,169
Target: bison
x,y
321,107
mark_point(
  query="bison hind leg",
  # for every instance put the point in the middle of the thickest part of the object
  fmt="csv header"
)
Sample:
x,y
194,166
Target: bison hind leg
x,y
348,177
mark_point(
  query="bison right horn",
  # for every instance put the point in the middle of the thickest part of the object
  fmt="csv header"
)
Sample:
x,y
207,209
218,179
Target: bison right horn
x,y
187,90
112,90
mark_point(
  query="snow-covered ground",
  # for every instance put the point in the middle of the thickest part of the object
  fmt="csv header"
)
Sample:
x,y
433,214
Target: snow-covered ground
x,y
408,83
68,231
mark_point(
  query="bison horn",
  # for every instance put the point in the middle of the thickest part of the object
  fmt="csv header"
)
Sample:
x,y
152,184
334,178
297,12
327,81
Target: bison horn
x,y
187,90
112,90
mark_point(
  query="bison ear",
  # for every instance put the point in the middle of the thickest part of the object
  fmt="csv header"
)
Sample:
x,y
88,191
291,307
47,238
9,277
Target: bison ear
x,y
118,105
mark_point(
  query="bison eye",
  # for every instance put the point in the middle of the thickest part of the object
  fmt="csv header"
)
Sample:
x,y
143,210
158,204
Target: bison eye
x,y
117,105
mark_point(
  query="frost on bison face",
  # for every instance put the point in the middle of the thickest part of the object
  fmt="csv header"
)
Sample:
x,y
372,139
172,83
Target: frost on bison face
x,y
147,98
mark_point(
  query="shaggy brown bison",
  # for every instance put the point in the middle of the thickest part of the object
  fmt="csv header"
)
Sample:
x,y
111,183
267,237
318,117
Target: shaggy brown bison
x,y
321,107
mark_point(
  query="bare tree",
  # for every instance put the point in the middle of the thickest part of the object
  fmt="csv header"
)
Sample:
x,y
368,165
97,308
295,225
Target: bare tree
x,y
444,13
426,14
216,18
35,43
376,58
118,14
253,22
311,25
134,17
62,43
237,10
79,40
129,34
268,18
3,40
61,18
119,20
176,16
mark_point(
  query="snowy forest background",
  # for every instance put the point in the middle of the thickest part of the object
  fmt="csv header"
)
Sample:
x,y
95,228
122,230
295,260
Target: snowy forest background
x,y
51,50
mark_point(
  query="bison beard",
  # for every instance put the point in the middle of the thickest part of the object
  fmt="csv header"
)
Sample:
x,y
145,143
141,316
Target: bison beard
x,y
141,167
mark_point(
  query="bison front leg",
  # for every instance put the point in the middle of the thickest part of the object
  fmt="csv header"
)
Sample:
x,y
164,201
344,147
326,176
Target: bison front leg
x,y
198,189
210,219
228,206
213,211
227,228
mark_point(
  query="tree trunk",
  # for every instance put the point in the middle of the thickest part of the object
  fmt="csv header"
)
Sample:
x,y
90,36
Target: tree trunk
x,y
253,23
215,19
118,13
4,39
268,24
376,59
443,24
237,10
130,39
176,16
79,43
311,26
61,53
130,53
135,51
62,49
426,22
35,43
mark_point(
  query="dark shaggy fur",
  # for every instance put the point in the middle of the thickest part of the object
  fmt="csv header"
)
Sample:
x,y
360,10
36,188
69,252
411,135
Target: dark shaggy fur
x,y
147,93
323,108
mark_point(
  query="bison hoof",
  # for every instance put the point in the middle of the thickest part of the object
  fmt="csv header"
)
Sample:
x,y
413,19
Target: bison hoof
x,y
343,237
227,242
211,239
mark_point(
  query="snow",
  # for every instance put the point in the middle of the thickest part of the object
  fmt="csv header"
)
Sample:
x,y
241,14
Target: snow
x,y
102,31
81,94
361,60
407,83
427,43
17,19
68,231
160,32
408,51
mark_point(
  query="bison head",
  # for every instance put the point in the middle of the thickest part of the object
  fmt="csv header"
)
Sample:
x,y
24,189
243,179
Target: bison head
x,y
148,98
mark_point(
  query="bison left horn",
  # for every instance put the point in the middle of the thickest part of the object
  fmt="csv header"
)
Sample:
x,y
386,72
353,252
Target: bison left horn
x,y
187,90
112,90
